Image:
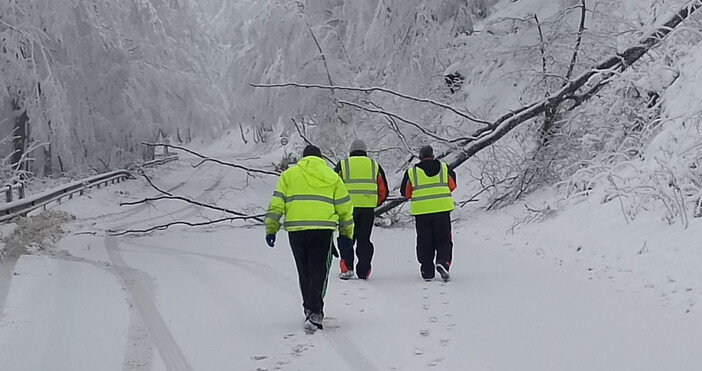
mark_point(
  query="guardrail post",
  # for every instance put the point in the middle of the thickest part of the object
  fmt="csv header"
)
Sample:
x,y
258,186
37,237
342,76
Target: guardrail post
x,y
8,193
21,190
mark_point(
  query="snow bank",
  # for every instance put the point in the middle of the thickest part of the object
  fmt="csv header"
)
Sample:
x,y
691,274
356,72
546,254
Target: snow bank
x,y
37,234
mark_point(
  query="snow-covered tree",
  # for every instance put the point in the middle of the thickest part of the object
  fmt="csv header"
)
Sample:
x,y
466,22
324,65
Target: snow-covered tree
x,y
95,78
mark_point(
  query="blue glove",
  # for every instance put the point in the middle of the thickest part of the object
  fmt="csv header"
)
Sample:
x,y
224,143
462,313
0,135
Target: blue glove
x,y
344,243
270,240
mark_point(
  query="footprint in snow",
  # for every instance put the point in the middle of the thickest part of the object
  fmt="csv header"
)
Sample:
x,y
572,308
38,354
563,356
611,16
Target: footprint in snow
x,y
435,362
298,349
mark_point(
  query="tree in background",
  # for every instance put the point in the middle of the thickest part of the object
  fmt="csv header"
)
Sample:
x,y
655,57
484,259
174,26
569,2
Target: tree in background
x,y
94,78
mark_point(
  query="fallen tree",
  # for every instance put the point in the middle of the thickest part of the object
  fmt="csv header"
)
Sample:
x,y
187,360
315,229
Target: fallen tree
x,y
573,94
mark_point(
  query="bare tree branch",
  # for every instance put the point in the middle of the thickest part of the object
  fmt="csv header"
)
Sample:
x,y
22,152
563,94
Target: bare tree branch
x,y
394,127
308,141
398,117
324,58
461,113
249,170
188,200
581,28
190,224
542,44
299,131
169,196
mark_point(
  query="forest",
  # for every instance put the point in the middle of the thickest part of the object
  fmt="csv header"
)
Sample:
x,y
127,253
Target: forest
x,y
569,95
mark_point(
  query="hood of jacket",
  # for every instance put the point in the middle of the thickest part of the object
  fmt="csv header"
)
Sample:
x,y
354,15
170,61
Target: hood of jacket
x,y
316,171
431,167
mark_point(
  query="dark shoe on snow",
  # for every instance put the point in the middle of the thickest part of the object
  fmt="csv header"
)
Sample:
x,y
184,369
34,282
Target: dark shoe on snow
x,y
316,319
443,271
310,327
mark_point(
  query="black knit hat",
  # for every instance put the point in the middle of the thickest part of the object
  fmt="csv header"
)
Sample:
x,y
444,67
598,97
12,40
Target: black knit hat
x,y
426,152
311,150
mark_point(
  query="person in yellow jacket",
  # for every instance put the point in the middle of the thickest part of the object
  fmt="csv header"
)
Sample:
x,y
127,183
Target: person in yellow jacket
x,y
314,202
368,187
428,185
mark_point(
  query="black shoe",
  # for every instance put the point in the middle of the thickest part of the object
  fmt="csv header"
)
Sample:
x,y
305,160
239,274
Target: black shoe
x,y
316,319
443,271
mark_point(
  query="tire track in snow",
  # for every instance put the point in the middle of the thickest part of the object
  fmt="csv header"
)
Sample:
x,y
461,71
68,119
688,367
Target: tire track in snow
x,y
171,354
262,271
345,348
147,331
7,269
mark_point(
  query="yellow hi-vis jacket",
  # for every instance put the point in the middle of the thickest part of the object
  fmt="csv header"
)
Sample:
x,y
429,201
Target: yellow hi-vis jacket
x,y
430,194
311,196
360,174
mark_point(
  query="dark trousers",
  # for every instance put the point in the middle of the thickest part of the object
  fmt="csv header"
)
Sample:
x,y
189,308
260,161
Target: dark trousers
x,y
363,218
312,252
434,240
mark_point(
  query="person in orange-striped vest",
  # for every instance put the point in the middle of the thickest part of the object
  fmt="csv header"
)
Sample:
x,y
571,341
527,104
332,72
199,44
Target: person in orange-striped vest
x,y
428,185
368,188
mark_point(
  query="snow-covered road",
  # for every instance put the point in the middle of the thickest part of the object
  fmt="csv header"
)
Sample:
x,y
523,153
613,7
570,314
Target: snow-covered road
x,y
217,298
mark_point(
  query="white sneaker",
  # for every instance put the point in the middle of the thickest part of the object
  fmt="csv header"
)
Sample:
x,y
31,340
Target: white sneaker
x,y
346,275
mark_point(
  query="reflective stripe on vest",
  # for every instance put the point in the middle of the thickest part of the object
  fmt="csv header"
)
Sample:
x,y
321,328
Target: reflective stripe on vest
x,y
303,211
360,174
430,194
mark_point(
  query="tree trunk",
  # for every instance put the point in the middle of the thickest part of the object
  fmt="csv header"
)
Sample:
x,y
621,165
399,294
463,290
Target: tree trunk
x,y
19,137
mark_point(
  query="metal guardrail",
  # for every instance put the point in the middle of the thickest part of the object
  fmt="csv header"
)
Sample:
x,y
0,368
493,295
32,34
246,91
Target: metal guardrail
x,y
158,161
9,188
23,206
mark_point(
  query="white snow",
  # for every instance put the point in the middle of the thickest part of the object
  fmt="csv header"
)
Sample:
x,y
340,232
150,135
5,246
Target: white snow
x,y
578,291
584,288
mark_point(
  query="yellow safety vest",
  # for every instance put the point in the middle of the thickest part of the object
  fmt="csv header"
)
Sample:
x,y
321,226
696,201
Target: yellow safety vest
x,y
311,196
430,194
360,174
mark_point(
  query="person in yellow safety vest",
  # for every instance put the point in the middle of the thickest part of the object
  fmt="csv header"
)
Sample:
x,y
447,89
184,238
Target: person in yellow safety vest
x,y
368,187
314,202
428,185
